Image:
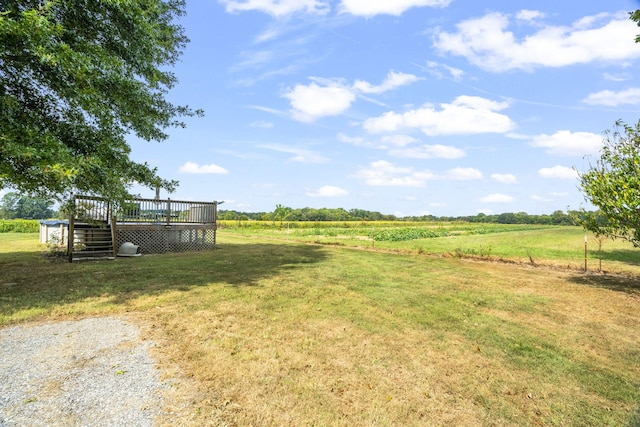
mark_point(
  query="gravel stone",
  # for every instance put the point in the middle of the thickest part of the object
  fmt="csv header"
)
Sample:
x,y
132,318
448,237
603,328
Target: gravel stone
x,y
91,372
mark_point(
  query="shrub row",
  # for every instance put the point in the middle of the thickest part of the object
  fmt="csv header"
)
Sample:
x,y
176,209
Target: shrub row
x,y
19,225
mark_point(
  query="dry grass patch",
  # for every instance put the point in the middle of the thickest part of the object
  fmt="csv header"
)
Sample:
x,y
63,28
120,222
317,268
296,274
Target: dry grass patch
x,y
385,340
323,372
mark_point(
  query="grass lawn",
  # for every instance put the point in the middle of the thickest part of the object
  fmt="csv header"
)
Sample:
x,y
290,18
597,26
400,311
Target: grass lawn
x,y
284,333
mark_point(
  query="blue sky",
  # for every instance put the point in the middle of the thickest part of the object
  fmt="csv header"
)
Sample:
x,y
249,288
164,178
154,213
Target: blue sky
x,y
406,107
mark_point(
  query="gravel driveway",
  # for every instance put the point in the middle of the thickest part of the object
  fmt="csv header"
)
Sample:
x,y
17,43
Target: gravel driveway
x,y
92,372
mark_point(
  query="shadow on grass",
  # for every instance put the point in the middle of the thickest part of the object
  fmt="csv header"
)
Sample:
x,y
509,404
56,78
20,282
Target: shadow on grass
x,y
627,284
30,280
628,256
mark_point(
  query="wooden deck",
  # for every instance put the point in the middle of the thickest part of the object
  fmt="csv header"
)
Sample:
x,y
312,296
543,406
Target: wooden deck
x,y
156,226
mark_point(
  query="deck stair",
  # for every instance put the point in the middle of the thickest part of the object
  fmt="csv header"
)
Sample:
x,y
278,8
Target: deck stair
x,y
92,240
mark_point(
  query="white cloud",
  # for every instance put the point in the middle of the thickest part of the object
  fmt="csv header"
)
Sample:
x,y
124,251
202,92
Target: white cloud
x,y
393,80
567,143
357,141
504,178
559,172
366,8
487,42
529,15
300,155
268,110
261,124
497,198
462,174
396,142
311,102
429,152
194,168
331,97
369,8
384,174
441,70
277,8
399,140
465,115
613,99
622,77
514,135
328,191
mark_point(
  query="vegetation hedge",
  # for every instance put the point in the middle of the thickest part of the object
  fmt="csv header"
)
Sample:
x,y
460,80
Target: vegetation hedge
x,y
19,226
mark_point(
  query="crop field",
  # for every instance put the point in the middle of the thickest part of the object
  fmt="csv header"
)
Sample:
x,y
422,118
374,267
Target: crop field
x,y
532,244
298,326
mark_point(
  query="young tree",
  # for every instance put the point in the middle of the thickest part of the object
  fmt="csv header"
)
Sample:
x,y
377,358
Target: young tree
x,y
613,185
281,212
77,77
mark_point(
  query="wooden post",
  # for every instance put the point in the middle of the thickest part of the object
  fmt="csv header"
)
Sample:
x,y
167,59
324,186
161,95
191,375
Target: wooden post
x,y
585,253
373,237
70,237
168,211
215,224
114,235
600,254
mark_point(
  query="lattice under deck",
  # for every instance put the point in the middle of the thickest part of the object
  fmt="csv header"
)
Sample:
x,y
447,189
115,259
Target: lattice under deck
x,y
155,240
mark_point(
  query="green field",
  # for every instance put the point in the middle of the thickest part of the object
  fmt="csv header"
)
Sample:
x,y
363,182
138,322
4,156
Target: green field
x,y
280,327
533,244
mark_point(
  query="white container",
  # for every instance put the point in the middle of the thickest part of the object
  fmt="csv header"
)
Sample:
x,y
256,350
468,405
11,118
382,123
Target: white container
x,y
129,249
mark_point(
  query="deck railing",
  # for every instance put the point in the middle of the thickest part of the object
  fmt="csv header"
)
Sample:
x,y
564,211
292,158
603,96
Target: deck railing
x,y
92,209
168,212
152,211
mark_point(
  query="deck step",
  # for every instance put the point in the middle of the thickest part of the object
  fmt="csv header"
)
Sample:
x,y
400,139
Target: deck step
x,y
92,241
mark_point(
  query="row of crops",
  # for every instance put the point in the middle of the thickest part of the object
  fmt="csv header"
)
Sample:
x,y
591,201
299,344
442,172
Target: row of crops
x,y
401,234
19,225
380,231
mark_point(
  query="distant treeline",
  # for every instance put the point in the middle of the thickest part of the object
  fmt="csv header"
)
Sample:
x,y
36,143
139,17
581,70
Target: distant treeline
x,y
340,214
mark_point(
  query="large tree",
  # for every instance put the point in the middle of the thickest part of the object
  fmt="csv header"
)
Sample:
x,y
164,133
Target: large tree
x,y
613,185
77,78
14,205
